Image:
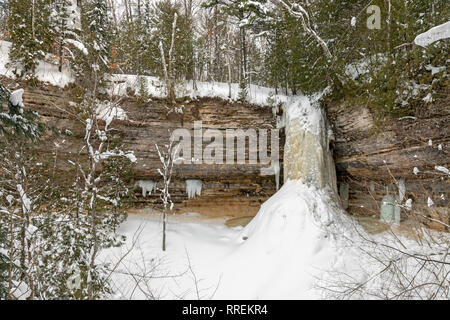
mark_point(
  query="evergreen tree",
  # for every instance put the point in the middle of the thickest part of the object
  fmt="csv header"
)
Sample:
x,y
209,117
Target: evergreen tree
x,y
96,29
29,27
248,13
64,25
133,42
162,17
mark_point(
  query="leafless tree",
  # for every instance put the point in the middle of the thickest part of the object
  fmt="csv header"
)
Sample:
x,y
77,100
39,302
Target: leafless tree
x,y
168,68
167,159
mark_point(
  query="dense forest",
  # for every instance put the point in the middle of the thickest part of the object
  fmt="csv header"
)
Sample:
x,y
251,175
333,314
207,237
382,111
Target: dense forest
x,y
358,48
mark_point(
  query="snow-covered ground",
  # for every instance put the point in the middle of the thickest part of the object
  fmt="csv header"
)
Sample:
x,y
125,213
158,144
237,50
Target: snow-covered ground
x,y
207,260
272,258
299,246
156,88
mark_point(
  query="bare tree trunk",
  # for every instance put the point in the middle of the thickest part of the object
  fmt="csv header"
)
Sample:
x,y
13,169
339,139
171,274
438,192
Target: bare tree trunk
x,y
227,57
244,55
113,10
168,70
171,62
166,74
33,4
11,257
388,21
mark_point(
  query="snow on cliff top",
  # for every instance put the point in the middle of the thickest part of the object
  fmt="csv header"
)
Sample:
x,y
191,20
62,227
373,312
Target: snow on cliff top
x,y
155,87
48,72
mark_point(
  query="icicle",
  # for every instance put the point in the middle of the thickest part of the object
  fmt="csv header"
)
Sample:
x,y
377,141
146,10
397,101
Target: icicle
x,y
387,208
276,169
281,122
147,186
193,187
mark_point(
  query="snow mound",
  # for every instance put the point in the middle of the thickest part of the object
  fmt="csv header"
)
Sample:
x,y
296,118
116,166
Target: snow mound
x,y
16,98
295,214
294,237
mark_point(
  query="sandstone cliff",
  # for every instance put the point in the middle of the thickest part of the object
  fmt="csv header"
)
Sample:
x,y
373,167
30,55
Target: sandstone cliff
x,y
369,156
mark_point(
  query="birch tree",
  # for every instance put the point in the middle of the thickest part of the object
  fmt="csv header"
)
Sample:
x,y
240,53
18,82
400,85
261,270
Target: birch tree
x,y
167,159
168,68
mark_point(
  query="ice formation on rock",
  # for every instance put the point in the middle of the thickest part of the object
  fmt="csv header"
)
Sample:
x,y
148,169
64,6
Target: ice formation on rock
x,y
147,186
193,187
307,156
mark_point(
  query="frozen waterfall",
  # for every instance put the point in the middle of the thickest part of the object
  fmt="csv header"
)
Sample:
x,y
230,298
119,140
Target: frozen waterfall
x,y
307,156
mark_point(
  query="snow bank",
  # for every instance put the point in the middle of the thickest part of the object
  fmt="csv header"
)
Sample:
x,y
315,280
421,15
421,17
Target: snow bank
x,y
437,33
256,94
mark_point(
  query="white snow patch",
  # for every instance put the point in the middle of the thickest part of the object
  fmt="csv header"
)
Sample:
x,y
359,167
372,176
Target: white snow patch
x,y
437,33
401,189
16,98
434,70
442,169
309,114
77,44
108,111
428,98
408,204
45,71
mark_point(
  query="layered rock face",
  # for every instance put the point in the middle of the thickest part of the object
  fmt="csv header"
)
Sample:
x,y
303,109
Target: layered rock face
x,y
371,157
227,190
